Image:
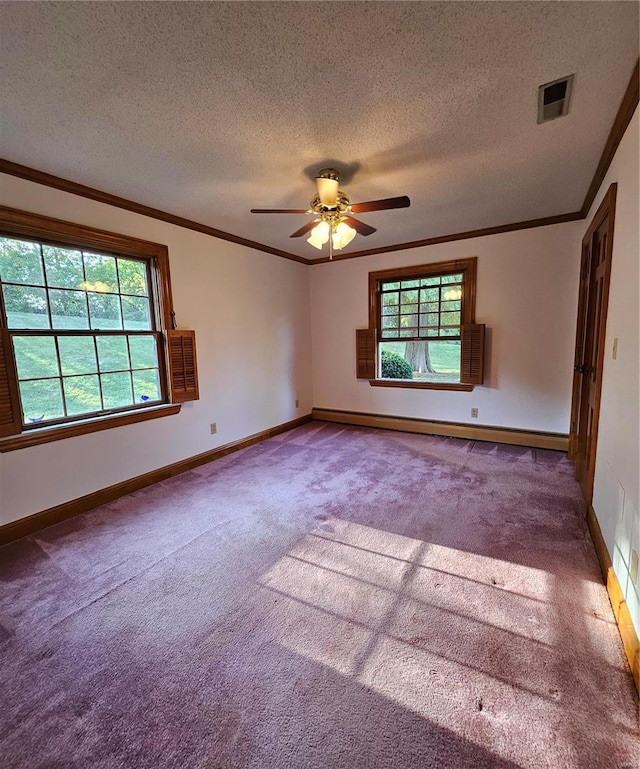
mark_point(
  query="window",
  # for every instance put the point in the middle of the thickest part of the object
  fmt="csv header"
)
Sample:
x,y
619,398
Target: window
x,y
83,316
421,327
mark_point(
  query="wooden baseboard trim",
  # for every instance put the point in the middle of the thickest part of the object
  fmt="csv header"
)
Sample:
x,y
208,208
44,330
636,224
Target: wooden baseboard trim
x,y
616,596
532,438
33,523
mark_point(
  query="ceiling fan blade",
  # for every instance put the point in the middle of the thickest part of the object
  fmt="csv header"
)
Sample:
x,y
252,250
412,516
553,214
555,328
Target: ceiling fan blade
x,y
360,227
380,205
279,210
304,229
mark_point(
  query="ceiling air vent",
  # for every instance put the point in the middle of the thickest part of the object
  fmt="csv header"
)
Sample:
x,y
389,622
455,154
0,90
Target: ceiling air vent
x,y
554,98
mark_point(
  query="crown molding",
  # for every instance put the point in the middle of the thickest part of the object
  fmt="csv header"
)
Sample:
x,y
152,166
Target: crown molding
x,y
49,180
620,124
529,224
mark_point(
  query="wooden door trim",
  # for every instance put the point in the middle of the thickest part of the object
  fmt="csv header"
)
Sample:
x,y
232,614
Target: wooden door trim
x,y
606,209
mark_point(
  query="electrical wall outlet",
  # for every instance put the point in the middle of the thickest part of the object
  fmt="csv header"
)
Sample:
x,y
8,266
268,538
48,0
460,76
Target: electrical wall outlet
x,y
474,413
214,428
297,403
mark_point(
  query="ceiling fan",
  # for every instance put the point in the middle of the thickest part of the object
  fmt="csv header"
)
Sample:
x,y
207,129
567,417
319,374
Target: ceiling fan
x,y
332,213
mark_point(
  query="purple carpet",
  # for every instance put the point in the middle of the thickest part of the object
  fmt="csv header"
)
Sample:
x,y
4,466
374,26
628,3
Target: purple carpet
x,y
332,598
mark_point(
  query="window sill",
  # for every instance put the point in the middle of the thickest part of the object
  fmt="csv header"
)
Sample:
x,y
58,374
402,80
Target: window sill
x,y
407,383
48,434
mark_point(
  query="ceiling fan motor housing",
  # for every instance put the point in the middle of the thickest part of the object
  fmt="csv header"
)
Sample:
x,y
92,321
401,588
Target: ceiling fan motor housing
x,y
341,206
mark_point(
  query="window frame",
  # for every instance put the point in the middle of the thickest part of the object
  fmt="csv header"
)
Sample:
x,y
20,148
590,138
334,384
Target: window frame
x,y
468,267
46,230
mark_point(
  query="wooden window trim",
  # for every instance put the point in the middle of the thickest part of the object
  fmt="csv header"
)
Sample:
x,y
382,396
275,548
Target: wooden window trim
x,y
44,229
417,385
468,267
69,430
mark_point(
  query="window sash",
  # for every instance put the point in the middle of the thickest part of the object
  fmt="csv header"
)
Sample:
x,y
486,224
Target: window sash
x,y
61,378
423,306
85,291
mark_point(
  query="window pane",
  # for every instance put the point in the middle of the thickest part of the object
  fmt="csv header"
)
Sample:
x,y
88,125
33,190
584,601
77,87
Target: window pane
x,y
117,390
445,361
133,277
35,356
68,309
450,306
390,286
390,321
435,281
77,355
41,400
100,273
429,295
113,353
82,394
430,319
450,318
63,266
410,283
430,361
457,278
146,385
135,313
143,352
409,321
20,262
105,311
409,297
450,332
390,300
26,307
452,294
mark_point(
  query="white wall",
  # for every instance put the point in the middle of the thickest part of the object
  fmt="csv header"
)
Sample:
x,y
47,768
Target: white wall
x,y
526,294
250,313
616,489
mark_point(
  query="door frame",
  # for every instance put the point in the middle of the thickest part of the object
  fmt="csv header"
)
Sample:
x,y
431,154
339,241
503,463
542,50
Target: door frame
x,y
585,306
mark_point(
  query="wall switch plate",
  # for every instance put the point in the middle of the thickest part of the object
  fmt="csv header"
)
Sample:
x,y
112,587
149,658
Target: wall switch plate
x,y
614,353
474,413
214,428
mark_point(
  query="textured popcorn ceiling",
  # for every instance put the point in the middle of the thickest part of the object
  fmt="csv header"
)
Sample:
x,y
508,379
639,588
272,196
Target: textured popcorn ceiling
x,y
208,109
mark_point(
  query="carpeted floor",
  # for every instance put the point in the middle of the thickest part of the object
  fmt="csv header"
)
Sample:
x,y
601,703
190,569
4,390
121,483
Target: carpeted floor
x,y
333,598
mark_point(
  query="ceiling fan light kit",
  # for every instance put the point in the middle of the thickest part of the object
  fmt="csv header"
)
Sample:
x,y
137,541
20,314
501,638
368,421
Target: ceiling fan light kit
x,y
332,210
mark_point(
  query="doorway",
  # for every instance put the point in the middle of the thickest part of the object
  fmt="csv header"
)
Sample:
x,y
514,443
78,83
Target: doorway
x,y
593,300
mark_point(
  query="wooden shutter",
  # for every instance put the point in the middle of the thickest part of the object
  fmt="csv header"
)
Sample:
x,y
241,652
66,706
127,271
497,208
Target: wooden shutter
x,y
10,423
366,353
472,356
183,369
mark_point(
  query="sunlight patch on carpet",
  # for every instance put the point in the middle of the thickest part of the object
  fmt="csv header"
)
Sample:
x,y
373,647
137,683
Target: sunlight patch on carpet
x,y
453,636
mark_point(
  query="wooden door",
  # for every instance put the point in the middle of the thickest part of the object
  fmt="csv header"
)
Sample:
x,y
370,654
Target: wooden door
x,y
590,342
